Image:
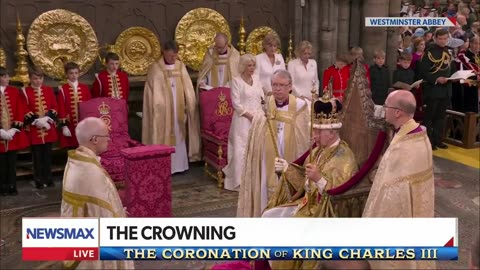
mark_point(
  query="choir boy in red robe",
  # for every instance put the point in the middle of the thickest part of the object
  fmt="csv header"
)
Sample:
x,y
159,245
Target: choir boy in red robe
x,y
41,120
111,82
12,135
70,95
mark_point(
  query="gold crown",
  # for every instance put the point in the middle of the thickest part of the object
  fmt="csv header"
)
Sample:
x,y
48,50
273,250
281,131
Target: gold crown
x,y
324,119
222,97
104,109
327,112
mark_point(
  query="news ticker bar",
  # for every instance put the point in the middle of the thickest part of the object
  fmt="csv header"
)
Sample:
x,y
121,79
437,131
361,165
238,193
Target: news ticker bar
x,y
242,253
239,232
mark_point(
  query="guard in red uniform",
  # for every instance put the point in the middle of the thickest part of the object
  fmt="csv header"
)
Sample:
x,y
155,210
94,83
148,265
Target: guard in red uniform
x,y
339,74
70,95
111,82
12,135
40,120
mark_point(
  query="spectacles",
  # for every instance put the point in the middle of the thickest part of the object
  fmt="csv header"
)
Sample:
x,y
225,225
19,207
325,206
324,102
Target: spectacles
x,y
105,136
396,108
279,85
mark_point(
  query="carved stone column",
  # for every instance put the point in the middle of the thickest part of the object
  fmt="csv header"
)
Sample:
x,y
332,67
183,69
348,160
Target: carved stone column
x,y
343,25
373,38
328,35
313,23
355,25
298,34
392,36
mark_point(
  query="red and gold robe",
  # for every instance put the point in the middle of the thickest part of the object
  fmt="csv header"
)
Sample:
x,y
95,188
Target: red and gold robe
x,y
68,101
115,86
39,104
12,113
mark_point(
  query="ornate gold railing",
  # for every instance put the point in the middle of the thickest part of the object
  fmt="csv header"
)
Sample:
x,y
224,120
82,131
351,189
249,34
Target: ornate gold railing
x,y
462,129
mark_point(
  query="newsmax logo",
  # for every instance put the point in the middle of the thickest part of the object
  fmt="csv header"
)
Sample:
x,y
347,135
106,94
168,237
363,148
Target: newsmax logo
x,y
60,233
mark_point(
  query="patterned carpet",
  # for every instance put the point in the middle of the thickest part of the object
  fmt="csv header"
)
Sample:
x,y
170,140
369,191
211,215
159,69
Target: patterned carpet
x,y
195,195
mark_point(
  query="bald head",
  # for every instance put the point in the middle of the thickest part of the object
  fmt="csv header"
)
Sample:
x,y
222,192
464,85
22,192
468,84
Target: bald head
x,y
89,127
222,37
404,100
93,133
221,43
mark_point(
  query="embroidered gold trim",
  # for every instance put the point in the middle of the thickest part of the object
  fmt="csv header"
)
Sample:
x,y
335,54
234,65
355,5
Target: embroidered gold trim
x,y
415,178
78,200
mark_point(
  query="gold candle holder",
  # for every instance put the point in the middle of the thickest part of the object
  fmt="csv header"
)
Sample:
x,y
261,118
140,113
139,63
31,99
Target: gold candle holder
x,y
21,72
3,58
242,34
290,48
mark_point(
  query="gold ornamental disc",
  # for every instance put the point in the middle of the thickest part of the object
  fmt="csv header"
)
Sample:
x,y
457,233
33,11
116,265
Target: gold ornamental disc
x,y
195,33
60,36
255,40
138,48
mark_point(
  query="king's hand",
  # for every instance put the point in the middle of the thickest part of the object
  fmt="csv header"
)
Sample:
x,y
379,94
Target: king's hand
x,y
312,172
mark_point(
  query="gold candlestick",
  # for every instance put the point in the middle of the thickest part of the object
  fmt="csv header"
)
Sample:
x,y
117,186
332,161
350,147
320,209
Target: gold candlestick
x,y
290,48
242,33
3,59
21,72
107,48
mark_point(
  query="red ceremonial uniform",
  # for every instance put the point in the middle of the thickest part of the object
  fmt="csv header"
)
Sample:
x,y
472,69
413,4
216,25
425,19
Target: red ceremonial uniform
x,y
41,102
12,113
468,61
68,100
340,79
106,85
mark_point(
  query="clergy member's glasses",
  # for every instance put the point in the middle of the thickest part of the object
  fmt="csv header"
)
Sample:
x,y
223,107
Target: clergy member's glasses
x,y
105,136
396,108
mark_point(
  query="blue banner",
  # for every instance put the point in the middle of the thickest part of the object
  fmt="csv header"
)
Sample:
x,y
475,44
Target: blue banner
x,y
279,253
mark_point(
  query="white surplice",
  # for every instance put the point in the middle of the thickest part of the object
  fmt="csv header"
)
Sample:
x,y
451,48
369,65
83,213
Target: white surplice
x,y
302,77
265,69
245,98
180,157
222,82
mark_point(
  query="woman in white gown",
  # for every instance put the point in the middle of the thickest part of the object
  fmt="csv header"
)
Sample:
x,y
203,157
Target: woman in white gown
x,y
304,71
246,93
268,62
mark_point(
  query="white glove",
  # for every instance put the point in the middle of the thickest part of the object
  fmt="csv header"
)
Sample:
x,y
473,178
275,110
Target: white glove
x,y
12,131
321,184
281,165
4,135
46,125
46,119
66,132
49,120
43,122
37,123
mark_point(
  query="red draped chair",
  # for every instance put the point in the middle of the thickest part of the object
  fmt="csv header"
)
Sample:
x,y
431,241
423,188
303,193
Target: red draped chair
x,y
216,116
114,113
142,173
